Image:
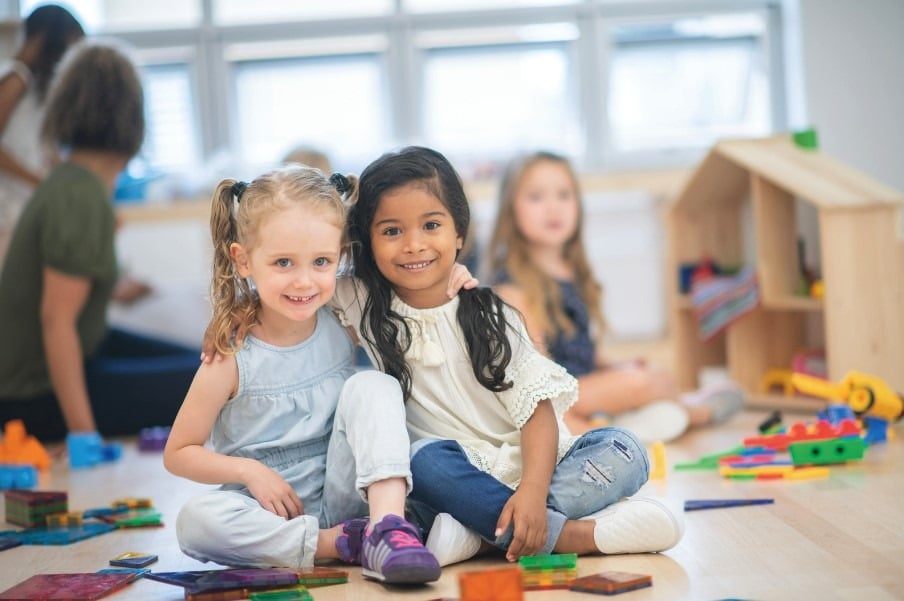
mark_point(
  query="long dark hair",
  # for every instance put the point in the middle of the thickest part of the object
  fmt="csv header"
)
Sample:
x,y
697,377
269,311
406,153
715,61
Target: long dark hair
x,y
480,311
59,30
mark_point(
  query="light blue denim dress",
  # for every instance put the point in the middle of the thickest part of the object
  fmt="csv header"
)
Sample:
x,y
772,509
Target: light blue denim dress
x,y
285,416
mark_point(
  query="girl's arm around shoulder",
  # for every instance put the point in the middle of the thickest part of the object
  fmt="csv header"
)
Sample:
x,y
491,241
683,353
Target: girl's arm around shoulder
x,y
517,299
185,454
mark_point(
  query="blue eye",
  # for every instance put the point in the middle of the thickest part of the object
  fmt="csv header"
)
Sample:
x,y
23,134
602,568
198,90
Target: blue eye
x,y
283,262
321,262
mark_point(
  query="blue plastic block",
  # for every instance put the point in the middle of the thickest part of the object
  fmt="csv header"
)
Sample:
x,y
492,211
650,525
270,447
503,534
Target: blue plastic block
x,y
14,475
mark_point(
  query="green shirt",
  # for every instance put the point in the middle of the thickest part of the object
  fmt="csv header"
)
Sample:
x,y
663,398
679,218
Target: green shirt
x,y
67,225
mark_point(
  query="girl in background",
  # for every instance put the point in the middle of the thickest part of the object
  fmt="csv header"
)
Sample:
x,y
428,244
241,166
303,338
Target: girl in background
x,y
47,32
297,439
538,264
491,457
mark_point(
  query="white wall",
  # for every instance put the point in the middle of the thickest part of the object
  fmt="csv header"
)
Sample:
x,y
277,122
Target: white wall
x,y
852,60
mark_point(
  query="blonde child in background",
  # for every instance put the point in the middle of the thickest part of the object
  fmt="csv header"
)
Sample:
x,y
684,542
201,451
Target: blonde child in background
x,y
297,439
537,263
491,457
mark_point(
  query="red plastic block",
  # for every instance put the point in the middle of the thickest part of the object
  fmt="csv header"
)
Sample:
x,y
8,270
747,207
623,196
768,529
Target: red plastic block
x,y
801,432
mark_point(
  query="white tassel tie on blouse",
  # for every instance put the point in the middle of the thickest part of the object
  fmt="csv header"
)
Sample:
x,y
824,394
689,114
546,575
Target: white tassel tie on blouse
x,y
423,349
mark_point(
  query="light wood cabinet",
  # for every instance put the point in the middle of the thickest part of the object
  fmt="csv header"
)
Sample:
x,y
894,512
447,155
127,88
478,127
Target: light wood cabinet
x,y
739,207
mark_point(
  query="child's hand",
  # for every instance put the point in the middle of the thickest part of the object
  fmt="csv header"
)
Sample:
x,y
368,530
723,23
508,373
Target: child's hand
x,y
460,278
527,510
271,491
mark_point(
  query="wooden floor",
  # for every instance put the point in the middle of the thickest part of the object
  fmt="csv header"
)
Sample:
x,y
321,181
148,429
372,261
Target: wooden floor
x,y
837,538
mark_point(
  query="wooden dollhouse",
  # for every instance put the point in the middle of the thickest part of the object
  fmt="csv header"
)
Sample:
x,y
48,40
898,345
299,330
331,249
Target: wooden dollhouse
x,y
740,207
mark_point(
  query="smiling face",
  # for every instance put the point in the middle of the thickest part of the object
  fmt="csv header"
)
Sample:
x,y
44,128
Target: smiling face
x,y
293,265
546,206
415,243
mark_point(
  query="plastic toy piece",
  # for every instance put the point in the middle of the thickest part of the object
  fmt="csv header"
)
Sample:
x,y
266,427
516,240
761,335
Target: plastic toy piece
x,y
694,505
865,393
56,536
133,503
709,462
777,378
14,475
153,439
801,432
657,450
820,452
876,429
71,587
611,583
502,584
31,508
64,520
18,446
774,420
556,561
298,593
133,559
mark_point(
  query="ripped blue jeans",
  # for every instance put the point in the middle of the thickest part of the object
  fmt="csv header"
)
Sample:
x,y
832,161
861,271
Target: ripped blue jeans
x,y
602,467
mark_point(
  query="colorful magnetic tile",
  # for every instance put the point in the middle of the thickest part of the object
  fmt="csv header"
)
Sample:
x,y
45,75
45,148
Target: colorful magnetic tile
x,y
821,452
61,536
611,583
321,576
697,504
297,593
135,572
502,584
548,562
60,520
8,542
133,559
218,580
67,587
133,503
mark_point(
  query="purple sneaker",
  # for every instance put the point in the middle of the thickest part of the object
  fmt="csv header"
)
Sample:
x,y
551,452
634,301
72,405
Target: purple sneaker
x,y
393,553
350,539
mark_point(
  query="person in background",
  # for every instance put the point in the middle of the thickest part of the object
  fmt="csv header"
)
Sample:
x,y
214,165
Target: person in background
x,y
537,262
47,32
62,368
310,156
302,445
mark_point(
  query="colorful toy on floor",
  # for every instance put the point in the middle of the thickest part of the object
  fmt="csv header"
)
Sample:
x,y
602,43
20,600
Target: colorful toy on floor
x,y
153,439
865,393
298,593
698,504
16,475
31,508
660,464
503,584
18,446
239,583
58,536
133,559
68,587
542,572
611,583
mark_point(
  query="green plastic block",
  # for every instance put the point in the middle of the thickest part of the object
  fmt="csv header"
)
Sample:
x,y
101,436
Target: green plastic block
x,y
298,593
831,450
549,562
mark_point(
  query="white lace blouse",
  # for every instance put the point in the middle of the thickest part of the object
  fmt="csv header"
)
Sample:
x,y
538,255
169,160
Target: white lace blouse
x,y
447,401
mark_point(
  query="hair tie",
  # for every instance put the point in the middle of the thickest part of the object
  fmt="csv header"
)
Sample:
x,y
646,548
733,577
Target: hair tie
x,y
238,188
340,182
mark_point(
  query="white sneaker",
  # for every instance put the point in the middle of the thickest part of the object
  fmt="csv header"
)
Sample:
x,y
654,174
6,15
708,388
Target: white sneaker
x,y
637,525
659,421
450,542
723,398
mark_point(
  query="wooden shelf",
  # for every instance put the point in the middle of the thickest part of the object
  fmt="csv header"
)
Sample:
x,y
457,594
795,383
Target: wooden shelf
x,y
740,206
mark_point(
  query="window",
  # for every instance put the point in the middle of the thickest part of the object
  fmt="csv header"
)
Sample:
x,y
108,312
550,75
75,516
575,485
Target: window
x,y
482,104
685,83
332,103
609,83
